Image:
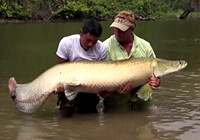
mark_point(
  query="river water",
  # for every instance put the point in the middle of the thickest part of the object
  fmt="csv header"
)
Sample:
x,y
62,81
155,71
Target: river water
x,y
26,50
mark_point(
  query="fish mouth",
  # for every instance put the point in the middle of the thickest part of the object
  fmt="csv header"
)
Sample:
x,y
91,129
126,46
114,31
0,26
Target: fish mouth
x,y
12,85
183,64
13,97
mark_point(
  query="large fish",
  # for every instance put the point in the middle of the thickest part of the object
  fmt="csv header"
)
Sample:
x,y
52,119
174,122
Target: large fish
x,y
91,77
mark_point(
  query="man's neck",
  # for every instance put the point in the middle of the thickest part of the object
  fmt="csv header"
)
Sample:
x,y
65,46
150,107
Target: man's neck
x,y
86,49
127,41
127,45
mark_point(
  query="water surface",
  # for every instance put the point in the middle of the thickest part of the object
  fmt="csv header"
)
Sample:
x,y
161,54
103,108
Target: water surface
x,y
26,50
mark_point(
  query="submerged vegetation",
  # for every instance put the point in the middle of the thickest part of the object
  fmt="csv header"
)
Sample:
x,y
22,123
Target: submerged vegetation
x,y
100,9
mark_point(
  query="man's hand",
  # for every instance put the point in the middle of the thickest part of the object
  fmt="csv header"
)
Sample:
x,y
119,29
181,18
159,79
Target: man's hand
x,y
154,82
122,91
127,88
60,89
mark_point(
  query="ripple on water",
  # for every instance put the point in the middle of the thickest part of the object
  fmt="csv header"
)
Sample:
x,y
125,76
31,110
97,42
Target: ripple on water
x,y
178,102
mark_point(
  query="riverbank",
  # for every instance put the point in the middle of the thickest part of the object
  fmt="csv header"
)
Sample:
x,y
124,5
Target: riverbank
x,y
18,21
48,11
5,21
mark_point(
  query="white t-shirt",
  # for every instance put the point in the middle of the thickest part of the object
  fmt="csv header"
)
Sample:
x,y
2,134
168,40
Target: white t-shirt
x,y
70,49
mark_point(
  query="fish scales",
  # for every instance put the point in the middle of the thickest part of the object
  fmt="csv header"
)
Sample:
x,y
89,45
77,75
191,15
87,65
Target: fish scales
x,y
91,77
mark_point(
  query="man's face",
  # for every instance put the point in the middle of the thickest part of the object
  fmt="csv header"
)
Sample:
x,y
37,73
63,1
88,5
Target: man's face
x,y
88,41
123,36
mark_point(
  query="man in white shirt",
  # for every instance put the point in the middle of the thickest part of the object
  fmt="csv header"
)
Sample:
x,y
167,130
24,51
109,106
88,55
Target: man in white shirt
x,y
81,47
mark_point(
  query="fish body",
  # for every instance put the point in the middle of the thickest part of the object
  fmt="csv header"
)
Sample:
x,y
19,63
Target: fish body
x,y
91,77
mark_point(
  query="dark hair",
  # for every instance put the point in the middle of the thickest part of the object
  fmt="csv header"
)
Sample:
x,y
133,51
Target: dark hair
x,y
93,27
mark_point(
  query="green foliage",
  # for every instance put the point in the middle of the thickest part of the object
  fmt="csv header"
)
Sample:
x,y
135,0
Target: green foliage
x,y
15,11
21,12
183,4
72,10
79,9
195,15
102,9
99,9
147,8
5,11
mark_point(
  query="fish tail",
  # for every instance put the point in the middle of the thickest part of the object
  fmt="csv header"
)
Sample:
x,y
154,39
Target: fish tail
x,y
12,85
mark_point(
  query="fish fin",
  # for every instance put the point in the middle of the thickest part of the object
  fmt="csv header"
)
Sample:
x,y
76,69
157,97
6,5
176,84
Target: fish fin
x,y
145,92
70,94
70,91
12,85
73,84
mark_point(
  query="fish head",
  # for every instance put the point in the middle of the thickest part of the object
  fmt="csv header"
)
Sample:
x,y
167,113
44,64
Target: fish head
x,y
163,67
12,85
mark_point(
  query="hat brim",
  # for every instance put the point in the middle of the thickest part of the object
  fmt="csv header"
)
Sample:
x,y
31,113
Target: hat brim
x,y
119,26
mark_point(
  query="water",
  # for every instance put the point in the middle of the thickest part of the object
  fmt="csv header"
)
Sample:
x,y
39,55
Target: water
x,y
26,50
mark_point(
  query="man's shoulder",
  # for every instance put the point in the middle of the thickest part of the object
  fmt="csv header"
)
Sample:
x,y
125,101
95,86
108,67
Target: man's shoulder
x,y
144,47
71,37
100,46
68,41
111,41
140,40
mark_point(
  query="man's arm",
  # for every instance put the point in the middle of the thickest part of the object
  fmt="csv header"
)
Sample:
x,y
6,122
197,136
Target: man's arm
x,y
60,88
61,60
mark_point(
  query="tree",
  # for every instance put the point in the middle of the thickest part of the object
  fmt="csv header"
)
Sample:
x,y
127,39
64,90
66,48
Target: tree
x,y
194,6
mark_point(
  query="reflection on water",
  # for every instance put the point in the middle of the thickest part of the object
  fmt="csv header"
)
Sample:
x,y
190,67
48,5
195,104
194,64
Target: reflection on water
x,y
179,111
82,127
29,128
26,50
